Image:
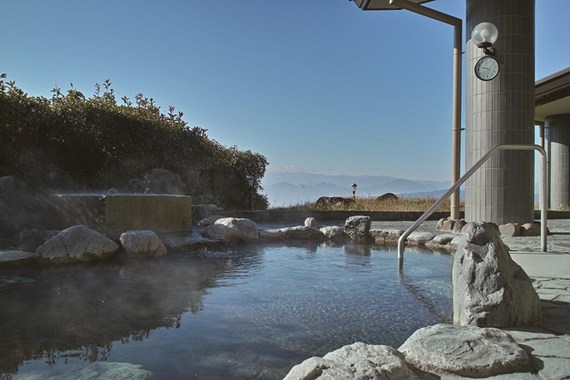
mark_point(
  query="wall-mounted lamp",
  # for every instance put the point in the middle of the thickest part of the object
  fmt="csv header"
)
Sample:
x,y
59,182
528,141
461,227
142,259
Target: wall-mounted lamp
x,y
484,35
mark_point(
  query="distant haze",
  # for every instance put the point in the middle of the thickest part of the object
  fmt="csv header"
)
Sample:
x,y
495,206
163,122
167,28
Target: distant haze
x,y
285,189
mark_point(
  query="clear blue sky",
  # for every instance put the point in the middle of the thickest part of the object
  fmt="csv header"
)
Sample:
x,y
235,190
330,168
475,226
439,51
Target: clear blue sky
x,y
314,85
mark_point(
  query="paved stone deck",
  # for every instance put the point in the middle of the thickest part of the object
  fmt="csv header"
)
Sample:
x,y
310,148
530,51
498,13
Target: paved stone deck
x,y
548,342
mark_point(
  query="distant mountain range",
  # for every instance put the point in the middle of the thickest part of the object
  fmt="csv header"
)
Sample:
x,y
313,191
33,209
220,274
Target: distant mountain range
x,y
285,189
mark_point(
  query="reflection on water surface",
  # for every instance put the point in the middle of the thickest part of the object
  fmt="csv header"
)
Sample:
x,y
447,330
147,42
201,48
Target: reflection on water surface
x,y
252,312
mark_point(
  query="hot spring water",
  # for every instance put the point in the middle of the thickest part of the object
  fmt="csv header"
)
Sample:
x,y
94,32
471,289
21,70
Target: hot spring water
x,y
249,312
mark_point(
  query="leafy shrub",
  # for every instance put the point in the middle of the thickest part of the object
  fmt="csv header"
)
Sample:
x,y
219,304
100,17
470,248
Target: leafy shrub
x,y
71,142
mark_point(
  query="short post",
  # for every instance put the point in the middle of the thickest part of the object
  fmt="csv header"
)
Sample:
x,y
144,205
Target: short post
x,y
251,183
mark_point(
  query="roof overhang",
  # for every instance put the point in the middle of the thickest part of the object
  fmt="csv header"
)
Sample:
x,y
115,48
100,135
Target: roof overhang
x,y
552,95
380,5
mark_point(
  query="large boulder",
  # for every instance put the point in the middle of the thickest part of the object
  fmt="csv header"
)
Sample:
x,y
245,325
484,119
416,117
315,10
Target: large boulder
x,y
466,351
162,181
355,361
324,202
387,197
75,244
489,288
242,230
142,243
218,232
357,228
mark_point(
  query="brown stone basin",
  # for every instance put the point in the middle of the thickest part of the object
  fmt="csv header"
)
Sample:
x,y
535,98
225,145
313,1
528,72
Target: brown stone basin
x,y
113,214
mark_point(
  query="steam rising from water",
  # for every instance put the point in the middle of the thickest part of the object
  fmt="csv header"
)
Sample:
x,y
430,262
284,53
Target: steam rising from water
x,y
258,309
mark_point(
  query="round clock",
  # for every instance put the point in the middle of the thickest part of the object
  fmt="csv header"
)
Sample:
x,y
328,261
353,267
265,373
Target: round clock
x,y
487,68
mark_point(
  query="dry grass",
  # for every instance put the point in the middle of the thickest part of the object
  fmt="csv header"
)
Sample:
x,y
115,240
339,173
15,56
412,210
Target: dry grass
x,y
401,204
372,204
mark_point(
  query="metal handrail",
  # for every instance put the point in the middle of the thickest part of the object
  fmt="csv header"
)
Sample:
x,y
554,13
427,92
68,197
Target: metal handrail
x,y
465,177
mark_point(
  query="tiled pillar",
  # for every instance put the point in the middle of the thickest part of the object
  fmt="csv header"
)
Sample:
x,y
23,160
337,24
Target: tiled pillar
x,y
558,141
501,111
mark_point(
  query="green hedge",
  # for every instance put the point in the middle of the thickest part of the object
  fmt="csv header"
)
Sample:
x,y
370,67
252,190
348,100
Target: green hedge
x,y
76,143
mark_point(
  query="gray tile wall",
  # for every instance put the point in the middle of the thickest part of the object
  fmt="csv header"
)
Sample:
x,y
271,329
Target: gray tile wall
x,y
501,111
558,142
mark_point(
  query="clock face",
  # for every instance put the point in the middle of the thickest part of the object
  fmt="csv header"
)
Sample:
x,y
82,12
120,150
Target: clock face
x,y
487,68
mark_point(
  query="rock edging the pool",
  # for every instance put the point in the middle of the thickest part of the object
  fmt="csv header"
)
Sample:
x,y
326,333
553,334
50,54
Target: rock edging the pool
x,y
356,229
431,352
490,291
212,233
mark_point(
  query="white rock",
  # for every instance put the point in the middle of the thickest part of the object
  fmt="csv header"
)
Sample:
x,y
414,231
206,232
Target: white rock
x,y
312,223
443,239
302,233
144,243
77,243
466,351
218,232
530,229
271,234
376,233
419,237
355,361
357,228
393,233
489,288
242,229
454,243
458,226
445,224
510,229
334,233
315,367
